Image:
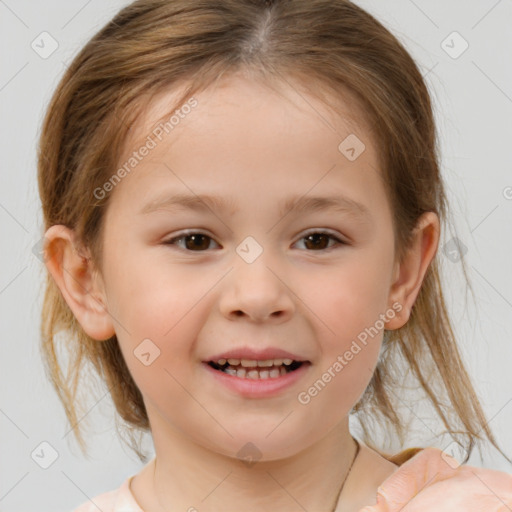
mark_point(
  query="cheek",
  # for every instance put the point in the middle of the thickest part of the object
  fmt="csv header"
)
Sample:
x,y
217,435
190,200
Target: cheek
x,y
150,295
348,304
349,333
159,350
347,299
159,310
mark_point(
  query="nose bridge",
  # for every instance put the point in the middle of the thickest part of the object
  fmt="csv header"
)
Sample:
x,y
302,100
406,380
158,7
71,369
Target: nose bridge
x,y
254,287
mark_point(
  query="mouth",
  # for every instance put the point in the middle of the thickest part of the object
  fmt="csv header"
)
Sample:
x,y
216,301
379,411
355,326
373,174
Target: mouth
x,y
256,369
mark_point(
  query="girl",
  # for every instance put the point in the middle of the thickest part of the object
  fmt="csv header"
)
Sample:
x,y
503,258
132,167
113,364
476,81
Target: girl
x,y
243,207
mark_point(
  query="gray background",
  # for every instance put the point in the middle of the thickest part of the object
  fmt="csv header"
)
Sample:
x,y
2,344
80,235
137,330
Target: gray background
x,y
473,99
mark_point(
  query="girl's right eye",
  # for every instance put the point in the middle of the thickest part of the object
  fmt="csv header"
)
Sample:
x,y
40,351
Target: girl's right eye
x,y
193,241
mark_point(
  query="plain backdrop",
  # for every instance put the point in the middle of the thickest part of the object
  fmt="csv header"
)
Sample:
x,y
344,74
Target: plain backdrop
x,y
472,94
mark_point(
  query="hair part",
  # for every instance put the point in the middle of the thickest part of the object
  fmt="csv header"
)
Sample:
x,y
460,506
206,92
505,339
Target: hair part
x,y
152,46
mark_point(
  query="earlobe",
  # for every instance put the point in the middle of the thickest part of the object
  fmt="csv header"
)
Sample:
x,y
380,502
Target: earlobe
x,y
409,274
81,286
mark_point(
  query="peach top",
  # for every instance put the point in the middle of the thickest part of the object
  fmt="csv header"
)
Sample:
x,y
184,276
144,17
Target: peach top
x,y
426,479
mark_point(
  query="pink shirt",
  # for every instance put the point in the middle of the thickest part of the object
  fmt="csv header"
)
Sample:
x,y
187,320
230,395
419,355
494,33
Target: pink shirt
x,y
429,480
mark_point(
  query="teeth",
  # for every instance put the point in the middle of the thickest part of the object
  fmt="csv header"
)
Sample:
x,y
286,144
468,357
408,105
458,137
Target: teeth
x,y
255,369
275,372
251,363
257,374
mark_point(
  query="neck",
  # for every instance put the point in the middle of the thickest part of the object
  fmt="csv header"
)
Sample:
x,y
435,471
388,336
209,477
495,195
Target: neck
x,y
188,476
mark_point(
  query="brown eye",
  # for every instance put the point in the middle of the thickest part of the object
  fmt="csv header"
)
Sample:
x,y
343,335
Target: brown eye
x,y
318,241
195,242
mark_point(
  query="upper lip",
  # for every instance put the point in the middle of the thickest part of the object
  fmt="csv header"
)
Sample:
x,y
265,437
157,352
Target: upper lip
x,y
256,354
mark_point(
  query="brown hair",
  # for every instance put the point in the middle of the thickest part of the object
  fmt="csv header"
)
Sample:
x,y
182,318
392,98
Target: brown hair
x,y
153,45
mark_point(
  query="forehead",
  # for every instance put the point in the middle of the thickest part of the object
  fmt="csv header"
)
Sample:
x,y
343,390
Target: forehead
x,y
235,95
271,139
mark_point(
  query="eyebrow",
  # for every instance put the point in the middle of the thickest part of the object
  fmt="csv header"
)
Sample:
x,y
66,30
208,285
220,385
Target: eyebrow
x,y
206,203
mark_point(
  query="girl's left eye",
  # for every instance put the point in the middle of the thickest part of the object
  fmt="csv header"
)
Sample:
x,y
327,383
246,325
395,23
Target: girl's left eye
x,y
198,242
316,240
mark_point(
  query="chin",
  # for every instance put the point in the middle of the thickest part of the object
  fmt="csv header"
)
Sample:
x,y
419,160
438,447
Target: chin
x,y
259,447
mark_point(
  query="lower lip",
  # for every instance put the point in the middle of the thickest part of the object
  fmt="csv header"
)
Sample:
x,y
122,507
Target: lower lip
x,y
258,388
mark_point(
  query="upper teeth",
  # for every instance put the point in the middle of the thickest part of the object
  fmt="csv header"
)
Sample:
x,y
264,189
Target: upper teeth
x,y
251,363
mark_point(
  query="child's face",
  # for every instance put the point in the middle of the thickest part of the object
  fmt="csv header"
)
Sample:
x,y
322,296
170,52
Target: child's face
x,y
199,298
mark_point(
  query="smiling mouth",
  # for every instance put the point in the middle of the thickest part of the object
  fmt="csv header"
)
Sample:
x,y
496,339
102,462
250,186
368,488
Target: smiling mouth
x,y
250,369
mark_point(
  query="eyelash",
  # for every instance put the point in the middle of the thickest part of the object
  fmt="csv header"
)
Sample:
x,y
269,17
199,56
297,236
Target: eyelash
x,y
338,241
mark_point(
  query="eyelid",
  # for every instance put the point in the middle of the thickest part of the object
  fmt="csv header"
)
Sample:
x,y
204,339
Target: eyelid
x,y
325,231
339,240
188,232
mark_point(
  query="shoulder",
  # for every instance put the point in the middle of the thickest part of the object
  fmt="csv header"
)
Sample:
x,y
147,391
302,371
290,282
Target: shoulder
x,y
118,500
431,479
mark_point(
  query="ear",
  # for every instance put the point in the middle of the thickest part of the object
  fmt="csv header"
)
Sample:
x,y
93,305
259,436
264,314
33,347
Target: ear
x,y
80,284
409,274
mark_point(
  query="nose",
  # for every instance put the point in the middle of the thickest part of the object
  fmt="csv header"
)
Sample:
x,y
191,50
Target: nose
x,y
257,292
